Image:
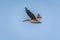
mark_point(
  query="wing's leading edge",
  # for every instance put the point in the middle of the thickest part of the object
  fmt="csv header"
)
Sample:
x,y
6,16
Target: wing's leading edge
x,y
30,14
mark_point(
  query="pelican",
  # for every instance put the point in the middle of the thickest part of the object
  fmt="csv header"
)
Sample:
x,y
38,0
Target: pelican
x,y
33,18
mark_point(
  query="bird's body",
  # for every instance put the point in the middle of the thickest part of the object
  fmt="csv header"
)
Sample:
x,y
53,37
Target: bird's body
x,y
32,19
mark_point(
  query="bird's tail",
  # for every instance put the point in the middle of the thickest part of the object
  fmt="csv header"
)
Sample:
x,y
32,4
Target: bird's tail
x,y
25,20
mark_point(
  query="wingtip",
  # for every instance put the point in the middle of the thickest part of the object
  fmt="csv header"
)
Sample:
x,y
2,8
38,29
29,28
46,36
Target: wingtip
x,y
38,16
25,8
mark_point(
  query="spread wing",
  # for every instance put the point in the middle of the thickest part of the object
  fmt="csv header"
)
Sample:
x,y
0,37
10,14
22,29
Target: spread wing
x,y
30,14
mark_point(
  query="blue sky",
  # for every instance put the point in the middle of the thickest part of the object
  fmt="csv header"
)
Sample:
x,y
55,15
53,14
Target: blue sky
x,y
12,13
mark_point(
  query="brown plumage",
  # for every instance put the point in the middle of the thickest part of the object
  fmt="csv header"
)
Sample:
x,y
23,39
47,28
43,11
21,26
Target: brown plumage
x,y
32,19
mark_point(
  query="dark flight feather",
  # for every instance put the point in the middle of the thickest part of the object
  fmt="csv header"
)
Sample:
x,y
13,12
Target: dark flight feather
x,y
30,14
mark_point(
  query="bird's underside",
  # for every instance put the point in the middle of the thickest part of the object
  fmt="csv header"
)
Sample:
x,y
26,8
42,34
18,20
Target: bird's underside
x,y
32,19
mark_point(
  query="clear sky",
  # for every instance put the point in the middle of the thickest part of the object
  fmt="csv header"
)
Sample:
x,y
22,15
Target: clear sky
x,y
12,13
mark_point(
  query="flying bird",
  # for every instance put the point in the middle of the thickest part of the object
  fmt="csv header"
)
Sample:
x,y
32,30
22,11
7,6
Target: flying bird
x,y
33,18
